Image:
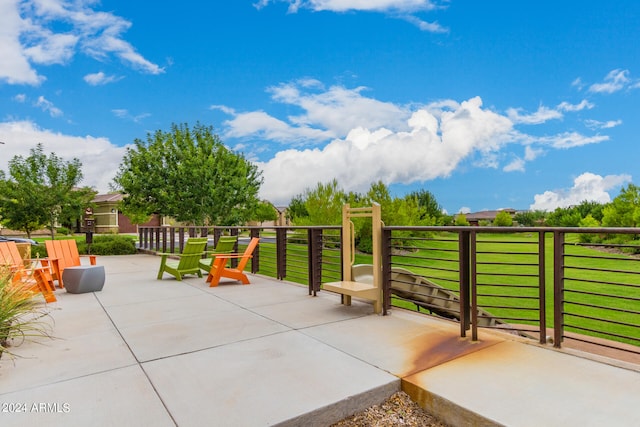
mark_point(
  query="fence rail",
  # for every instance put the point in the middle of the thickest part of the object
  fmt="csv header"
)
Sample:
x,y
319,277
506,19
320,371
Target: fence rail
x,y
548,284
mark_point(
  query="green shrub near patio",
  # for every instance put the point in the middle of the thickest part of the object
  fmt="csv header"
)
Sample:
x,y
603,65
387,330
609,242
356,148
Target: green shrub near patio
x,y
21,314
109,245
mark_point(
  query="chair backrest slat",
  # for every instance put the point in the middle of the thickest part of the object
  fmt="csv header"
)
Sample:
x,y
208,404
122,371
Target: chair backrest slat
x,y
247,253
193,250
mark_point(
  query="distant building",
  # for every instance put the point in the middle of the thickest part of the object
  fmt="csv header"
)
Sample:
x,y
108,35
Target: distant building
x,y
109,219
487,217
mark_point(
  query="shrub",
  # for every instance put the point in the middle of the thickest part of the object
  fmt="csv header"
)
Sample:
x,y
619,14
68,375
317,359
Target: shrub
x,y
109,245
63,230
21,313
39,251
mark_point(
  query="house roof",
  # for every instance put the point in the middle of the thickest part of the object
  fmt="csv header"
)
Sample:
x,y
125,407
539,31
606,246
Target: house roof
x,y
105,198
487,215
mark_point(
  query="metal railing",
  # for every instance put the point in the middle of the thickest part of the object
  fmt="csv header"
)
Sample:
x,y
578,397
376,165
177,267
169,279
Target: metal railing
x,y
542,283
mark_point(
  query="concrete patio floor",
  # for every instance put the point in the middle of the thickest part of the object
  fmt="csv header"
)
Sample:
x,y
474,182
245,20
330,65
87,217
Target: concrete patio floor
x,y
164,353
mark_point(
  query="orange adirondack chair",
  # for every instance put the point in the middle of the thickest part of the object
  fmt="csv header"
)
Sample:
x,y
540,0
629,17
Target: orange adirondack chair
x,y
35,278
63,254
219,268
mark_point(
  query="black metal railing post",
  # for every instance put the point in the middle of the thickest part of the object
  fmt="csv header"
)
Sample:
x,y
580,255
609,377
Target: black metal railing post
x,y
281,253
315,260
542,298
464,259
474,285
558,288
180,239
386,270
255,260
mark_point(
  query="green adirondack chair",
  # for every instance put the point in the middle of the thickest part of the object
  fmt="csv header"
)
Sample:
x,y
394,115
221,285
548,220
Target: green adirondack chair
x,y
225,245
188,263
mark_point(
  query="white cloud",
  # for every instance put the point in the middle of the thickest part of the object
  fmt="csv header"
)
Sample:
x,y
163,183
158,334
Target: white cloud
x,y
21,98
48,106
324,115
124,114
31,34
403,9
614,81
531,153
339,109
339,130
100,78
433,146
542,115
361,5
16,68
431,27
571,140
99,157
596,124
577,83
516,165
565,106
262,125
586,187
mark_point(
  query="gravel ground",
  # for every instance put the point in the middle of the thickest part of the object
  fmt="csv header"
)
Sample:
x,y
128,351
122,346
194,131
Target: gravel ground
x,y
398,410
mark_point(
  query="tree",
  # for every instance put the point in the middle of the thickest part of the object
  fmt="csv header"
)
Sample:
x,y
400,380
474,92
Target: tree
x,y
323,204
503,219
188,174
461,220
592,208
39,191
529,218
265,211
297,209
564,217
624,210
429,206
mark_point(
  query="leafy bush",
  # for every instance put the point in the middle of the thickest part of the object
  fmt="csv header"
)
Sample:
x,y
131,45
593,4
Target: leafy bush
x,y
589,221
109,245
63,230
39,251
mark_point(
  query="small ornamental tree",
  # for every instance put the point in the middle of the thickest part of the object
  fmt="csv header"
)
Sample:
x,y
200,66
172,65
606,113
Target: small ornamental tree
x,y
503,219
461,220
41,191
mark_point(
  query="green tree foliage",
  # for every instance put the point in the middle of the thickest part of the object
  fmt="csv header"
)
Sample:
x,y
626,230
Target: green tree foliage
x,y
430,209
297,209
461,220
188,174
564,217
589,221
592,208
503,219
529,218
624,210
265,211
323,205
41,190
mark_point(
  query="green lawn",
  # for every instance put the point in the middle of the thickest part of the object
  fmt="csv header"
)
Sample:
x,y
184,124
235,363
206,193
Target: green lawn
x,y
508,277
507,267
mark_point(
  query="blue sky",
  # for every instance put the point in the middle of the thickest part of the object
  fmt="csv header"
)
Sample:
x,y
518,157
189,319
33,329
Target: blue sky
x,y
487,105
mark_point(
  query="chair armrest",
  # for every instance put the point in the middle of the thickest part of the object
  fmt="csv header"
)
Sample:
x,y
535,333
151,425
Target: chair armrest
x,y
92,258
166,254
231,256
